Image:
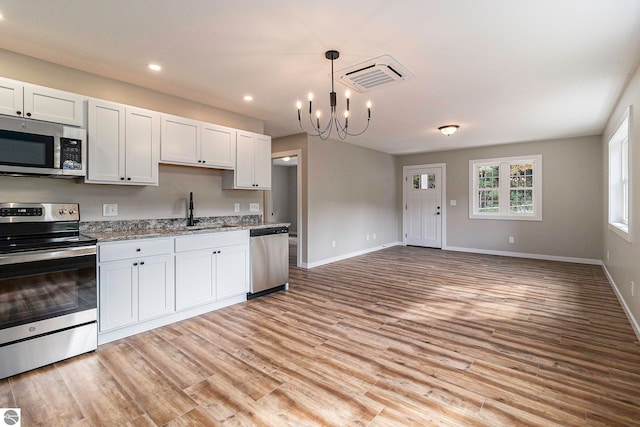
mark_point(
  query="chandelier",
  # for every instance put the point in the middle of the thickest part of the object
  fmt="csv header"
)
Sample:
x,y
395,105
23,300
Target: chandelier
x,y
342,128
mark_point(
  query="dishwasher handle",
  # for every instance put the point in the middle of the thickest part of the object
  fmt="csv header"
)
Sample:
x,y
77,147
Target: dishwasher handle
x,y
266,231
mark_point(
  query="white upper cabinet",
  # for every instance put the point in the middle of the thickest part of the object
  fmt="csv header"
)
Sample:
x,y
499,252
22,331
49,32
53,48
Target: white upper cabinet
x,y
41,103
193,143
253,163
180,140
123,144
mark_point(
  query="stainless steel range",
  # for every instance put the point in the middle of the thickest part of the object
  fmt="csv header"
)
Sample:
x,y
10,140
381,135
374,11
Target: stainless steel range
x,y
48,291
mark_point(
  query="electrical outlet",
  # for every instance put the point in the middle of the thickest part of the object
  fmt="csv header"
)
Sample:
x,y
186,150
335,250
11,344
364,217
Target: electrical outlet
x,y
512,239
254,207
110,209
333,244
236,207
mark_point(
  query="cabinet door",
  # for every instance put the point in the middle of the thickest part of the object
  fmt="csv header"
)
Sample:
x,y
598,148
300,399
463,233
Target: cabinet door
x,y
179,140
262,162
244,160
43,103
106,142
233,271
218,146
118,283
142,146
155,287
195,273
11,97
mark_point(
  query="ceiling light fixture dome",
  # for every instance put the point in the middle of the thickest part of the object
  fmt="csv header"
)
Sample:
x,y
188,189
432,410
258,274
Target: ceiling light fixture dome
x,y
334,122
448,129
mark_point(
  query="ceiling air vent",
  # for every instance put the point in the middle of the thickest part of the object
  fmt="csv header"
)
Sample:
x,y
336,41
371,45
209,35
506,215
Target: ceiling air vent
x,y
373,74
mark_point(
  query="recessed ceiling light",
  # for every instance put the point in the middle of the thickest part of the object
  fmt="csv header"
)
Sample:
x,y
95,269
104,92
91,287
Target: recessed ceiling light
x,y
154,67
248,98
286,159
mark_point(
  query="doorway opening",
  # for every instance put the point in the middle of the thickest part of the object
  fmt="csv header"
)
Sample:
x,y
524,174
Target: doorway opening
x,y
283,204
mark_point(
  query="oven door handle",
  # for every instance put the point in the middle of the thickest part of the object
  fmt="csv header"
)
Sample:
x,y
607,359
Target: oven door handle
x,y
47,255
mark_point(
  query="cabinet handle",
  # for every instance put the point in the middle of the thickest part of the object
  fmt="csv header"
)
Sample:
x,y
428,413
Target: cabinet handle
x,y
138,249
28,114
122,178
135,263
19,113
142,263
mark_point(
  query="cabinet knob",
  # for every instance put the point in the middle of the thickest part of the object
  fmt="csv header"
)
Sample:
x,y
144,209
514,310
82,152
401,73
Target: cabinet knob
x,y
135,263
19,113
138,249
199,161
128,178
142,263
122,178
28,114
204,161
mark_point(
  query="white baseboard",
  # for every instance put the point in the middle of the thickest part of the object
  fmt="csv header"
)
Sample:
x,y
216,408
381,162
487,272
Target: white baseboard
x,y
525,255
634,322
349,255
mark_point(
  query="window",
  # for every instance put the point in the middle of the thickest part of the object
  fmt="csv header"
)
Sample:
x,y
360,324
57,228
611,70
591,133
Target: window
x,y
506,188
619,178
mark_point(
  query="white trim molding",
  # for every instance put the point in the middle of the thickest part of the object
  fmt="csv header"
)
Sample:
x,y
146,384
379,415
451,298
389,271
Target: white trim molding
x,y
525,255
634,322
349,255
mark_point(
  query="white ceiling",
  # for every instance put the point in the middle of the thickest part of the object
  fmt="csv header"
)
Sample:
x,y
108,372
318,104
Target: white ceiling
x,y
504,70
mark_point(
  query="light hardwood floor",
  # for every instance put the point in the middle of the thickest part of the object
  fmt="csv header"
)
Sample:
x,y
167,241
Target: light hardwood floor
x,y
400,337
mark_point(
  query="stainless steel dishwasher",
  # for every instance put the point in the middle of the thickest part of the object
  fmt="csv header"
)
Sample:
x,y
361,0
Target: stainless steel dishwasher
x,y
269,260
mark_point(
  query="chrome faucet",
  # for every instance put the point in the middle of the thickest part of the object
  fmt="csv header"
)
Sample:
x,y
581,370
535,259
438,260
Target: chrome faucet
x,y
190,221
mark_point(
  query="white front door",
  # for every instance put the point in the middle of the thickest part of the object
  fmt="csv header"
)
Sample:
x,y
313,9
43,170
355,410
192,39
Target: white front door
x,y
423,207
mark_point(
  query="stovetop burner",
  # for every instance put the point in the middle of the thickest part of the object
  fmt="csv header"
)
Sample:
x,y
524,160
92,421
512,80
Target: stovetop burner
x,y
40,226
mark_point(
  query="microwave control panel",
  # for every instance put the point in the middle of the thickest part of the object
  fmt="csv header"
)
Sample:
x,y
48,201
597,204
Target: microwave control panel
x,y
70,154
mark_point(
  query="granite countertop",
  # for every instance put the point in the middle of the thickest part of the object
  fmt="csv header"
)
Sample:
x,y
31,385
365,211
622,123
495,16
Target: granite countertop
x,y
111,231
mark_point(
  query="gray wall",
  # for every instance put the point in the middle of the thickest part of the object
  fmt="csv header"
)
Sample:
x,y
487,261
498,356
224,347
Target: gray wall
x,y
572,200
352,193
134,202
347,192
623,264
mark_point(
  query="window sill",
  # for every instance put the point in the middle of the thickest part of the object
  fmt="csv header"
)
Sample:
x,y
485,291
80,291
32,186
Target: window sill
x,y
505,217
621,230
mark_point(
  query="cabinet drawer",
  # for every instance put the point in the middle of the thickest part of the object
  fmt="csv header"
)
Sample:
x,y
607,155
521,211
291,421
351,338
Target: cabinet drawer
x,y
211,240
134,249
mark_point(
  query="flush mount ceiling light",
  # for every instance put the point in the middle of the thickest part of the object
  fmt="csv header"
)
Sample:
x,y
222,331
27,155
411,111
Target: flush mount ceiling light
x,y
448,129
342,130
248,98
154,67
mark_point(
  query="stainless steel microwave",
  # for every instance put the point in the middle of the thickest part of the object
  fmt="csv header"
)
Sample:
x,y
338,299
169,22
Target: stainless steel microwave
x,y
29,147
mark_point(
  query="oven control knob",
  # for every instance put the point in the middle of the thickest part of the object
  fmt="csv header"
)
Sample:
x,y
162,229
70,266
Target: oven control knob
x,y
71,211
62,211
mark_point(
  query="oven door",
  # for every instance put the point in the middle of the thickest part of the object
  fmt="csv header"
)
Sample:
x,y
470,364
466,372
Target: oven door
x,y
44,291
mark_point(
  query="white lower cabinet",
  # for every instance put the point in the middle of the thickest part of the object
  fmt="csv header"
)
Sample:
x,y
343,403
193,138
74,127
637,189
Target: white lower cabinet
x,y
195,279
147,283
136,282
211,267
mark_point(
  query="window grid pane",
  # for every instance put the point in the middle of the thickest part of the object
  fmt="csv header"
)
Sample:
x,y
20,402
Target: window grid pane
x,y
521,181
